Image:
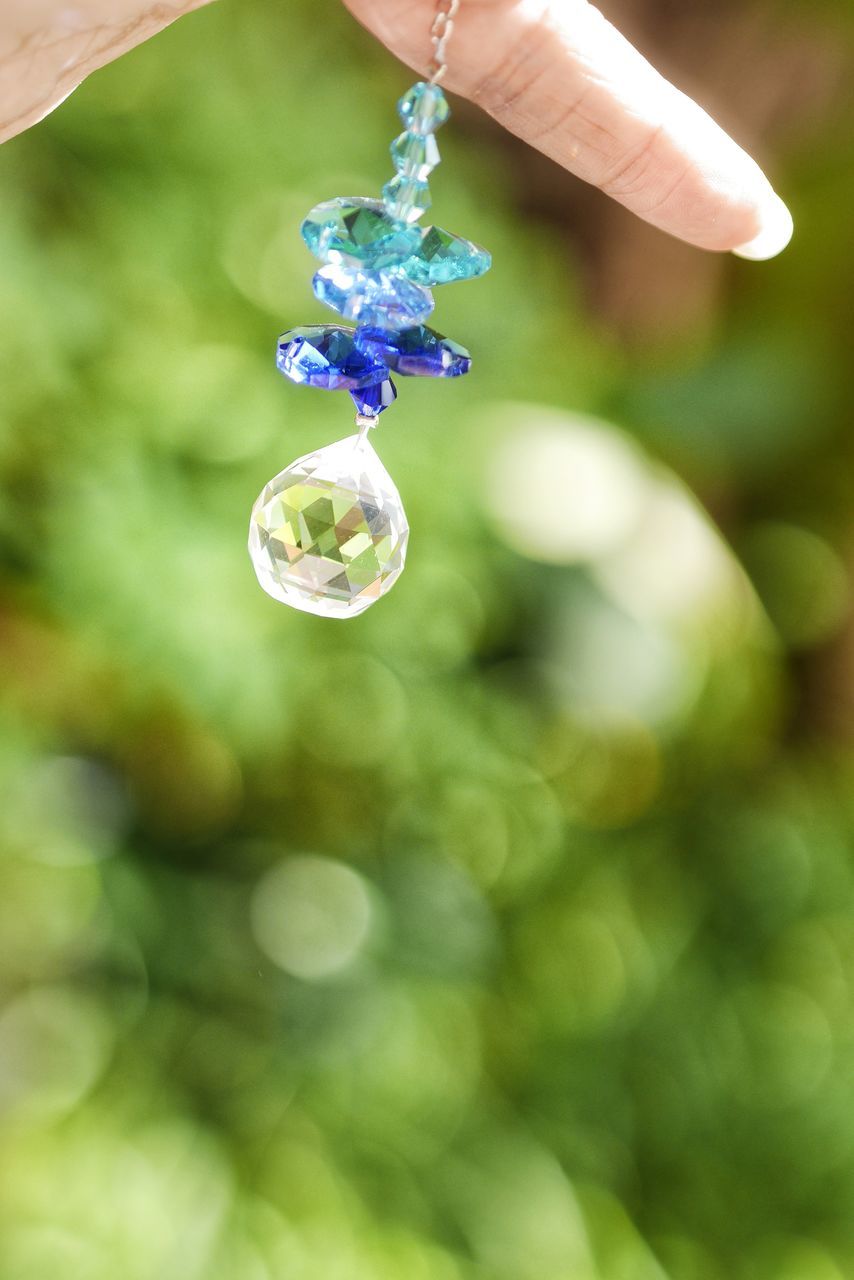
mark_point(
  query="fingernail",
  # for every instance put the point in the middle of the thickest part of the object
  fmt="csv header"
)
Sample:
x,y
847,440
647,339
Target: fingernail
x,y
775,233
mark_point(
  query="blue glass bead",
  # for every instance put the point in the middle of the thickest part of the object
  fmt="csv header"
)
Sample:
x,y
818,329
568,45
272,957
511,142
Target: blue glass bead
x,y
406,198
418,352
443,257
374,400
424,108
386,297
327,356
358,230
414,156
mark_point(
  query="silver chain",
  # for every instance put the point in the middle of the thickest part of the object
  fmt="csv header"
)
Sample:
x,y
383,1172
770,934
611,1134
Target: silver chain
x,y
440,33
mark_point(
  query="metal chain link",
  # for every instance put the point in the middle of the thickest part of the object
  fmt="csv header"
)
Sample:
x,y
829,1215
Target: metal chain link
x,y
440,33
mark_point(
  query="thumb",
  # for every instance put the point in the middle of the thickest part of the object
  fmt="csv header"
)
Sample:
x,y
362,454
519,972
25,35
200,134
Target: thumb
x,y
47,47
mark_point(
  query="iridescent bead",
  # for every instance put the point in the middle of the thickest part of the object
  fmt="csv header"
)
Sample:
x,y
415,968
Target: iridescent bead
x,y
386,298
443,257
414,156
406,198
374,400
356,229
424,108
327,356
418,352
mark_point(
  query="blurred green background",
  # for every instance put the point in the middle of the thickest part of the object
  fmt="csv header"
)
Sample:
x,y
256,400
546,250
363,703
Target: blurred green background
x,y
506,933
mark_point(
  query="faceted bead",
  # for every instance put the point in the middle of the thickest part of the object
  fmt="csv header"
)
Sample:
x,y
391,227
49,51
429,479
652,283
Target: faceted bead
x,y
424,108
373,400
386,298
443,257
414,156
327,356
354,229
406,198
328,535
415,353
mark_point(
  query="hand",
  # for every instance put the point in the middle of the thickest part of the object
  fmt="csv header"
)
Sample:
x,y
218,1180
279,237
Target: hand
x,y
47,47
555,72
559,75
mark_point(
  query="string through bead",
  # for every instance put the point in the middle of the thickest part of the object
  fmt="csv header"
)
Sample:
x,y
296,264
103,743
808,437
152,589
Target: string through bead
x,y
440,34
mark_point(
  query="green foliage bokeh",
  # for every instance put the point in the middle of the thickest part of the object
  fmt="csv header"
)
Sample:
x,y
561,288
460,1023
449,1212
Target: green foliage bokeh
x,y
507,932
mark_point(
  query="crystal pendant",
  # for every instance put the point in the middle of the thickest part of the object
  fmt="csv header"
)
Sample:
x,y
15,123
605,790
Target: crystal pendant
x,y
328,534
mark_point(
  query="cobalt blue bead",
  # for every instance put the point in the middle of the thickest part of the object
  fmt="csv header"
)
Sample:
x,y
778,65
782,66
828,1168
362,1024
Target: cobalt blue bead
x,y
372,401
327,356
385,297
418,352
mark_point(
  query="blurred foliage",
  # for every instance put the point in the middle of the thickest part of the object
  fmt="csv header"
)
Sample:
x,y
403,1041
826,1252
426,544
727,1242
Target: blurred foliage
x,y
507,932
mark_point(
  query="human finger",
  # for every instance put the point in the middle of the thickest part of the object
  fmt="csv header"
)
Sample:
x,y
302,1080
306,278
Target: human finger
x,y
562,77
47,47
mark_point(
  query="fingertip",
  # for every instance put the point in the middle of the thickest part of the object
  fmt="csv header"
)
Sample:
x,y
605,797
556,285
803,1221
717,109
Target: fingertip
x,y
776,228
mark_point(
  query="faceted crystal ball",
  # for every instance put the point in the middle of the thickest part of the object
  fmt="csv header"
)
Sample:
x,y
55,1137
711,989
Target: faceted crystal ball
x,y
328,535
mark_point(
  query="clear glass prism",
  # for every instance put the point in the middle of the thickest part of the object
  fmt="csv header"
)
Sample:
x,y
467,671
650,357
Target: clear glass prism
x,y
328,535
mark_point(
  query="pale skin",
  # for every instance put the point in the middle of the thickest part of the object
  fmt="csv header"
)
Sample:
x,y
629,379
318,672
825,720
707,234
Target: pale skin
x,y
554,72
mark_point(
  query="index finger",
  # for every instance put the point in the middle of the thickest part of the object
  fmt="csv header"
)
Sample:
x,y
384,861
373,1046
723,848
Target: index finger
x,y
559,75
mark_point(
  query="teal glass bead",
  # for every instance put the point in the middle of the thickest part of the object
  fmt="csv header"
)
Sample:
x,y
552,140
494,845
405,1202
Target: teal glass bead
x,y
442,258
414,156
386,298
424,109
406,198
354,229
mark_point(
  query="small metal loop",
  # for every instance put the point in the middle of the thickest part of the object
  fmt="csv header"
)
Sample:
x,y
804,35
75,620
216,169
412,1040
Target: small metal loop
x,y
441,30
